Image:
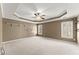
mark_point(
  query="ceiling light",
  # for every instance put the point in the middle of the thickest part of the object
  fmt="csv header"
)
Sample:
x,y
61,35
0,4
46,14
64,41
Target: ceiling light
x,y
39,18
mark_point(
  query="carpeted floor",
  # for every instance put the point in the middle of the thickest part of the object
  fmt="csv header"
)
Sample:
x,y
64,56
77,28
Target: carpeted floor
x,y
40,46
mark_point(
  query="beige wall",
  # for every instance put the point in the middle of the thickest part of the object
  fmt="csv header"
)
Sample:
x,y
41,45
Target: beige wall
x,y
15,29
0,31
75,29
53,30
0,26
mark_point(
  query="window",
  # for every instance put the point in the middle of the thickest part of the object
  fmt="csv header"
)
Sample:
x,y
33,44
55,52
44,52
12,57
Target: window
x,y
67,29
78,31
40,29
78,25
34,29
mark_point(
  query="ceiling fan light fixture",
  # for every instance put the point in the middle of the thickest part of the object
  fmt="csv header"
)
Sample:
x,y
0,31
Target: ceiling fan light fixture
x,y
38,18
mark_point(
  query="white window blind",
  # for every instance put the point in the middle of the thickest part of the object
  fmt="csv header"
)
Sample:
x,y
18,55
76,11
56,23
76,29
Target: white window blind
x,y
40,29
78,31
67,29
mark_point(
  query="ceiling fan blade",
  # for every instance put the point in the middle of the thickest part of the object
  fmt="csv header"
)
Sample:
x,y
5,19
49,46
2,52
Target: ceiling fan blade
x,y
42,18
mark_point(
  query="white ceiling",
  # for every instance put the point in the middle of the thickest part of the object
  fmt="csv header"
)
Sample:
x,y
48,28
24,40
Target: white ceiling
x,y
27,10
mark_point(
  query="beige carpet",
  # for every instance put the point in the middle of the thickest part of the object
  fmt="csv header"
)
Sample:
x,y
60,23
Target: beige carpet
x,y
40,46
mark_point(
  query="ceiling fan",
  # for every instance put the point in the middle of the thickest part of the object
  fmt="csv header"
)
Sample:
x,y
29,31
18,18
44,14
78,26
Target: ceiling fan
x,y
39,16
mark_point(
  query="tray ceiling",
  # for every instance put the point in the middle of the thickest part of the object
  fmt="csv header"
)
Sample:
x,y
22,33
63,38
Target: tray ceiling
x,y
26,11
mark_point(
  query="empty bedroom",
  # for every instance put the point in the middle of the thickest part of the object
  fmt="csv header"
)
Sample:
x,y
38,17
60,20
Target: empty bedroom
x,y
39,28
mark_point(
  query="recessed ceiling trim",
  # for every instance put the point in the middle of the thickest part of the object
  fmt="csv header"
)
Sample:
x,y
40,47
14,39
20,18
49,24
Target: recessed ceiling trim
x,y
60,15
59,19
46,21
